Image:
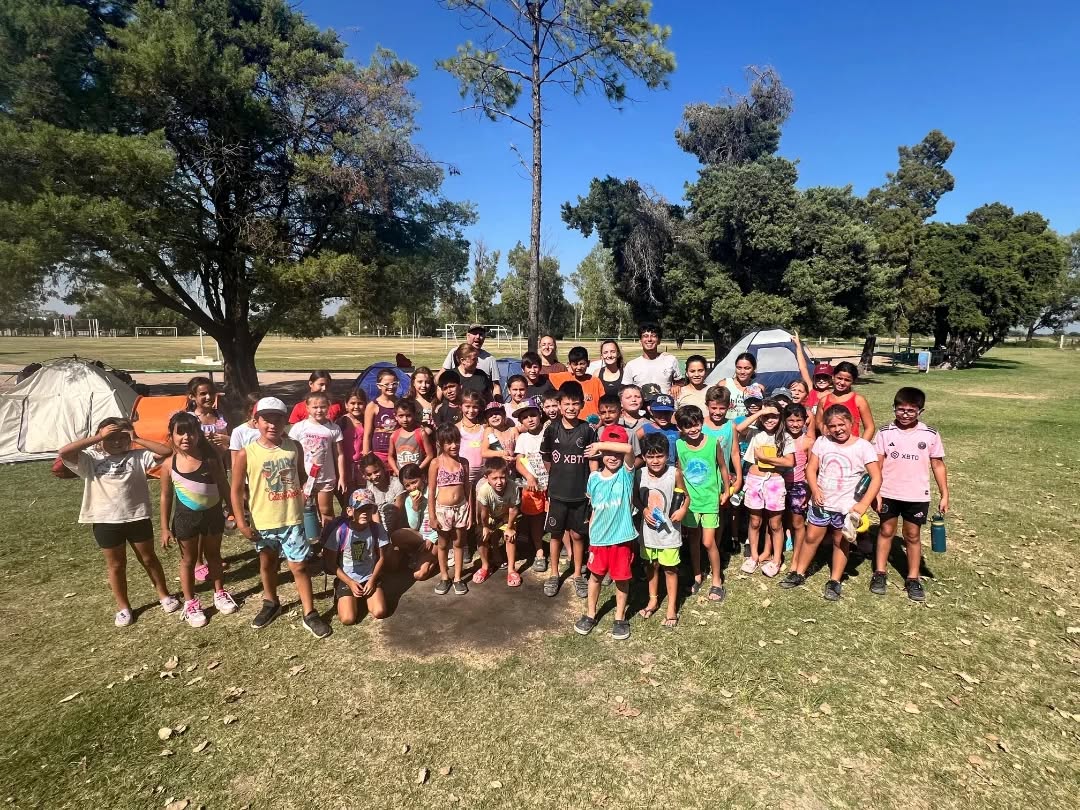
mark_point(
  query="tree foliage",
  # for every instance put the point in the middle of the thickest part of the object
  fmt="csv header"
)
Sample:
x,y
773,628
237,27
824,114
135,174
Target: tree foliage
x,y
485,286
556,314
575,45
603,313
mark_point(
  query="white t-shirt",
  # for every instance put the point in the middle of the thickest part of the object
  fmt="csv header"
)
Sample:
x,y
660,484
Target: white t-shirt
x,y
839,469
486,363
528,445
662,370
242,436
114,488
318,441
759,440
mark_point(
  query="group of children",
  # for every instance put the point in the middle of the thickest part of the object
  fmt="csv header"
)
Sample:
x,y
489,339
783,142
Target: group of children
x,y
426,479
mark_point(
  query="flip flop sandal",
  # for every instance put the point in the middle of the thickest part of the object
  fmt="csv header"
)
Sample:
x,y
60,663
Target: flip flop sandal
x,y
670,624
647,612
695,586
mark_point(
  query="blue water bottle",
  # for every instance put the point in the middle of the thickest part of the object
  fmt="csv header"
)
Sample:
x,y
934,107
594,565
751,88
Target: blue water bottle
x,y
311,521
937,533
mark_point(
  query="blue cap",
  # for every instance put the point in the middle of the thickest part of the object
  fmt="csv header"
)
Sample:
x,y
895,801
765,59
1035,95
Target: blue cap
x,y
662,403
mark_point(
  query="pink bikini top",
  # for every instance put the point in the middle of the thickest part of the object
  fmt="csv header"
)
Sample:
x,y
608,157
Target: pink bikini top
x,y
446,478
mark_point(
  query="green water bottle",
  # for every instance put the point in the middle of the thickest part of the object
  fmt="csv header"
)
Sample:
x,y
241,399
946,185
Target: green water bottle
x,y
937,533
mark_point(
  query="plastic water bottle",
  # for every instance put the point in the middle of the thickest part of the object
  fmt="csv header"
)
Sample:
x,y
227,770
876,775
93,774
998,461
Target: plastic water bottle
x,y
494,443
311,521
863,485
937,533
678,498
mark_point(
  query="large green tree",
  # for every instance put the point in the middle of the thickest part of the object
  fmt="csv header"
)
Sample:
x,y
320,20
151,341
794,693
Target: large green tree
x,y
572,45
231,162
1061,304
556,314
485,286
603,313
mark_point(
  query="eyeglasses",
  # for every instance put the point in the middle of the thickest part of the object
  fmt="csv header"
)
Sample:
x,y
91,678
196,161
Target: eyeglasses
x,y
907,410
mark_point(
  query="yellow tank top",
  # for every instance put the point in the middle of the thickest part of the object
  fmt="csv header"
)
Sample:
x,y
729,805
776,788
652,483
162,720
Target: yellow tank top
x,y
273,480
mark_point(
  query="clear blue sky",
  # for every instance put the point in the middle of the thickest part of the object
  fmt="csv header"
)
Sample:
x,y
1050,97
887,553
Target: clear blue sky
x,y
999,78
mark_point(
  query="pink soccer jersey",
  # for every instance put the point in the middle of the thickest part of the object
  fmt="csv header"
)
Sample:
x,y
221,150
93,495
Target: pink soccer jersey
x,y
905,470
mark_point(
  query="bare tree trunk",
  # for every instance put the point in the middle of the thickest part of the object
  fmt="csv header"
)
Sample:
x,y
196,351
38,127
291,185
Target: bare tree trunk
x,y
866,361
238,356
537,167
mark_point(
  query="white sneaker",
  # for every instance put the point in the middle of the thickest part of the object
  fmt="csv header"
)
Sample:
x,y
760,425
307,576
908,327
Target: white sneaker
x,y
124,618
193,613
224,602
170,604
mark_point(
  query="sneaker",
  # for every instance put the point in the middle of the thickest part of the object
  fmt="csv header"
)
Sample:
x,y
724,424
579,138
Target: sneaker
x,y
749,565
551,586
540,565
770,569
315,624
170,604
202,572
442,587
581,587
460,588
879,583
480,576
265,615
832,590
450,558
915,590
584,626
193,613
224,603
620,631
792,580
124,618
513,579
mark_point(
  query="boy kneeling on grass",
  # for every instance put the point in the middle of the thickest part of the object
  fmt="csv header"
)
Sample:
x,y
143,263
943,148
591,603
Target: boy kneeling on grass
x,y
272,471
353,547
611,528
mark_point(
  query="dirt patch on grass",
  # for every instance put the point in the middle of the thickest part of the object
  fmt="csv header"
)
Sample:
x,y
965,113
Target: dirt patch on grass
x,y
998,395
489,623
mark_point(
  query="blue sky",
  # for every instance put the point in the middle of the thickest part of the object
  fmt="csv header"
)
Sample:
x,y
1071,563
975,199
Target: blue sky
x,y
999,78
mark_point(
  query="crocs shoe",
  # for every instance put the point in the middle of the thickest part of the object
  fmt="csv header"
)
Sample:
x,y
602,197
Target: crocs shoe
x,y
480,576
202,572
513,579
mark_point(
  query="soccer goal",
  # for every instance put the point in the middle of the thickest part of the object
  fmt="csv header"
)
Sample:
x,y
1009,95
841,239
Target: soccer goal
x,y
76,327
155,331
496,332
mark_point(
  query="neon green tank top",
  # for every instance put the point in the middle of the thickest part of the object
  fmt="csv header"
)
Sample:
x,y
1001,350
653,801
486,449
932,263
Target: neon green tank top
x,y
702,476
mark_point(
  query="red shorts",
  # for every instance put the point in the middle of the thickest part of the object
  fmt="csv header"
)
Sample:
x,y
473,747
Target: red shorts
x,y
534,502
615,560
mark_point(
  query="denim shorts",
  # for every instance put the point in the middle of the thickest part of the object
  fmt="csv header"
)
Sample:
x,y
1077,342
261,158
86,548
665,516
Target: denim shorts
x,y
288,541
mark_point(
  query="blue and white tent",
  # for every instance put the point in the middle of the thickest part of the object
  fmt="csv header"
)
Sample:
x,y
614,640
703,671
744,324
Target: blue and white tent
x,y
774,350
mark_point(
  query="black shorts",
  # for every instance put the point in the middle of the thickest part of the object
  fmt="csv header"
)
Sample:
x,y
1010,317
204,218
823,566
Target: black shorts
x,y
563,516
114,535
911,511
187,524
342,589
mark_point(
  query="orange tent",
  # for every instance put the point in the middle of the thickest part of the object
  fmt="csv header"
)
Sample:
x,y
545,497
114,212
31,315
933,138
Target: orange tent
x,y
152,415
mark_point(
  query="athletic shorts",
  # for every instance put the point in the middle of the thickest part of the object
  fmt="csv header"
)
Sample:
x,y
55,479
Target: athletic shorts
x,y
288,541
114,535
666,557
534,502
701,520
563,517
913,512
817,516
614,560
449,518
798,497
188,524
765,492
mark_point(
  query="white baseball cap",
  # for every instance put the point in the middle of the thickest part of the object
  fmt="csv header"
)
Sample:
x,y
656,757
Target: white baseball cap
x,y
270,405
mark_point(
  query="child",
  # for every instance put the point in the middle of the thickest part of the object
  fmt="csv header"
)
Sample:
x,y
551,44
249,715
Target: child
x,y
798,493
537,384
518,390
318,383
194,479
531,468
660,412
202,402
419,538
450,506
815,386
352,439
501,433
693,393
113,463
387,493
449,410
246,432
630,401
609,409
422,392
497,502
473,435
563,450
908,451
324,463
844,378
838,460
661,539
353,546
610,491
410,443
550,404
765,492
704,469
716,423
591,387
473,378
271,468
800,392
379,421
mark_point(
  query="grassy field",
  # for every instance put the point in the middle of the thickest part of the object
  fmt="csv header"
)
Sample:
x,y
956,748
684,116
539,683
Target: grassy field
x,y
774,698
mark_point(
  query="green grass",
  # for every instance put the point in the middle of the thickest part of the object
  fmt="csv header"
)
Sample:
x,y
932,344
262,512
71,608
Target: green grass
x,y
774,698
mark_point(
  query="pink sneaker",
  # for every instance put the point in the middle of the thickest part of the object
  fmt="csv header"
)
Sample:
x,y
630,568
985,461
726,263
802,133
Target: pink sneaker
x,y
224,602
770,569
193,613
749,565
202,572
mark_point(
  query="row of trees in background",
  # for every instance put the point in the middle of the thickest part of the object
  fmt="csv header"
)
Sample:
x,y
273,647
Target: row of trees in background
x,y
750,249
